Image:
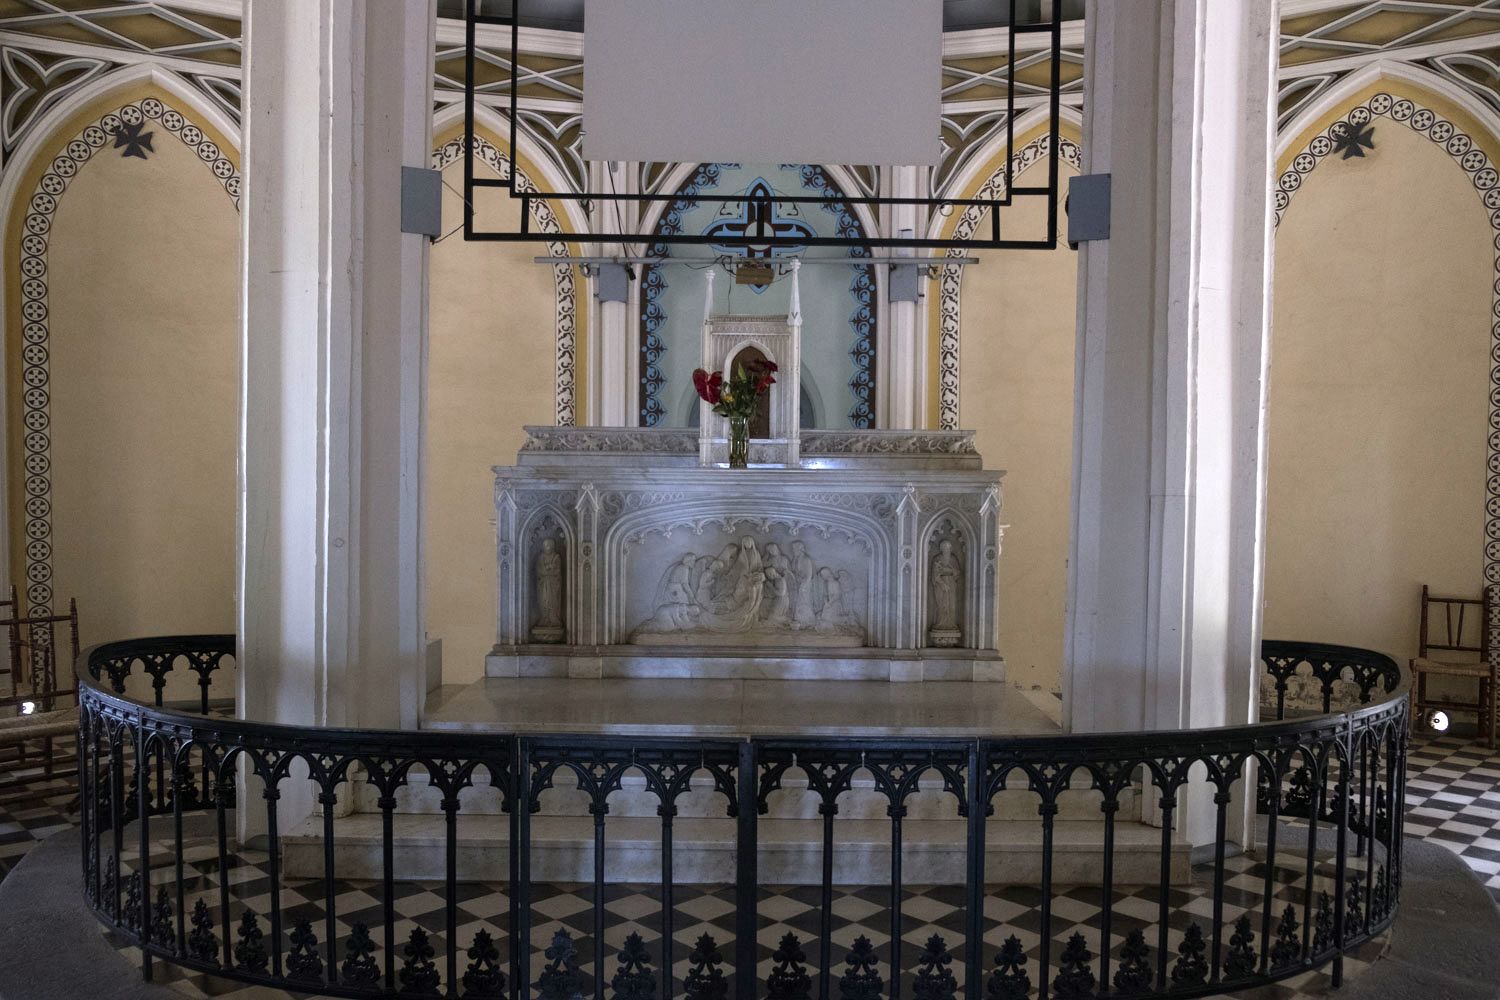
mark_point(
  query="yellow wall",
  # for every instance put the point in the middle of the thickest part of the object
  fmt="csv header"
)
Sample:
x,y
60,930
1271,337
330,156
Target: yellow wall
x,y
1378,394
144,386
491,369
1016,392
143,273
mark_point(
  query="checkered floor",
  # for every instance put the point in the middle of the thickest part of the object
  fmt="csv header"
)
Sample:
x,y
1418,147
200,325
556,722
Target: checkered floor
x,y
32,806
857,911
1453,797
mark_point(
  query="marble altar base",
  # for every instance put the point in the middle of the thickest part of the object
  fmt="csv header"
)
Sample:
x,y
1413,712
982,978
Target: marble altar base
x,y
618,554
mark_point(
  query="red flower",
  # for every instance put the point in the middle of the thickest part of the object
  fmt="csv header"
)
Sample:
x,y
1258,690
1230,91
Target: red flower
x,y
709,386
770,366
764,382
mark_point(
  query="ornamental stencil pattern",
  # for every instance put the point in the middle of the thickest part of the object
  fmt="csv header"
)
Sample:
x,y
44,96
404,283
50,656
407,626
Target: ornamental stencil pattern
x,y
952,279
1484,176
563,283
654,283
861,289
96,137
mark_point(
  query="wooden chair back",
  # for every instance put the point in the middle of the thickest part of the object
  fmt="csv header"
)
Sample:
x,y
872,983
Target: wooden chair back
x,y
1454,625
34,643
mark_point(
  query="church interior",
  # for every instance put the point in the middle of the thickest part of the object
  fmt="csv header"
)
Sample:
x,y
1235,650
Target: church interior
x,y
869,498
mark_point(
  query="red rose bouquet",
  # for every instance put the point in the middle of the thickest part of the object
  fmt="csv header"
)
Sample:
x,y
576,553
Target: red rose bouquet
x,y
735,398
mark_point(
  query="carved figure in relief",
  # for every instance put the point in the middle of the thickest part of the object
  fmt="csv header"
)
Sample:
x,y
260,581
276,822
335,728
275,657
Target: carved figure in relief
x,y
946,577
778,586
679,583
752,594
802,577
549,594
832,614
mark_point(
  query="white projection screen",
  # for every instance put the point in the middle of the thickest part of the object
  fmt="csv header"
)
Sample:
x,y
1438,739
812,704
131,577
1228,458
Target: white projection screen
x,y
762,81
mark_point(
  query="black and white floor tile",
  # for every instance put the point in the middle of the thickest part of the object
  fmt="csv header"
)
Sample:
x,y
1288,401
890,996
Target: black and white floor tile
x,y
1453,799
633,909
32,806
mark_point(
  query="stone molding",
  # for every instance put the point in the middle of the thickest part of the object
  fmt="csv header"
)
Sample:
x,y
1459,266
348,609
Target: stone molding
x,y
542,440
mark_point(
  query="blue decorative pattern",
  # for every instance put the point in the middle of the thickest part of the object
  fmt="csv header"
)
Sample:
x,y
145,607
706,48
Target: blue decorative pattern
x,y
741,225
654,284
862,289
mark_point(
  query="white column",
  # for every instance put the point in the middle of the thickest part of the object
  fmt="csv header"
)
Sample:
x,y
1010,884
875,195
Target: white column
x,y
1165,567
616,373
333,347
902,367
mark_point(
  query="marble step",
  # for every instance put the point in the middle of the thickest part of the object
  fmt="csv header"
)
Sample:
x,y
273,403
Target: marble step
x,y
704,850
794,801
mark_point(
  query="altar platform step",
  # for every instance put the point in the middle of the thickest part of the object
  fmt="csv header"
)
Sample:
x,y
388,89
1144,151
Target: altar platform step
x,y
690,706
790,851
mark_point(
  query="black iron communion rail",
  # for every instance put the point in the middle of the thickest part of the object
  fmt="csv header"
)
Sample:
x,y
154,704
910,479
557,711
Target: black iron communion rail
x,y
161,785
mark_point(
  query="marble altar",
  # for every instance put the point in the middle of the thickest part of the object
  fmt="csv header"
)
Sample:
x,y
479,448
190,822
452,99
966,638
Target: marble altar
x,y
629,552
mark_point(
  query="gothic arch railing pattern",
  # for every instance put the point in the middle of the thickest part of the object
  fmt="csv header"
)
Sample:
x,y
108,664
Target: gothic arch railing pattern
x,y
1482,173
1326,879
952,278
563,283
121,128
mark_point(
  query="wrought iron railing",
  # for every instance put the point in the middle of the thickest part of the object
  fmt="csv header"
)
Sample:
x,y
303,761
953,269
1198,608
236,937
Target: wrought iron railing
x,y
161,781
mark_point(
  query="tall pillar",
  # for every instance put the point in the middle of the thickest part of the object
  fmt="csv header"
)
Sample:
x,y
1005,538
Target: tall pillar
x,y
1173,320
614,400
902,366
338,99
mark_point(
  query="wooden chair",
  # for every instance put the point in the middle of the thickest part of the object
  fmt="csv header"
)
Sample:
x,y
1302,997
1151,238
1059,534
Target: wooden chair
x,y
1454,641
34,644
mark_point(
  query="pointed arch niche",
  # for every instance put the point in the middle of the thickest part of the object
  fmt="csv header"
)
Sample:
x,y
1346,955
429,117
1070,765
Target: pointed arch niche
x,y
840,305
122,348
1384,418
506,348
1000,344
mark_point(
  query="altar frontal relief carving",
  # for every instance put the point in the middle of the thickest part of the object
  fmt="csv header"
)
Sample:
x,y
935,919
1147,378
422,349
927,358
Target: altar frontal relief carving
x,y
765,587
620,554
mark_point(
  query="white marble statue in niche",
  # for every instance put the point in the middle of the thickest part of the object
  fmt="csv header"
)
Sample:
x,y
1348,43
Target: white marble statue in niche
x,y
945,583
756,593
549,594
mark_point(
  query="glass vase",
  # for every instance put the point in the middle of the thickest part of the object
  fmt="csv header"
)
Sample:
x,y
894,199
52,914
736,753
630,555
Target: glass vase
x,y
739,442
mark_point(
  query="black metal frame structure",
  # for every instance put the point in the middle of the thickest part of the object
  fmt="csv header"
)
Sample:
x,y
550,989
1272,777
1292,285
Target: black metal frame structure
x,y
760,210
146,765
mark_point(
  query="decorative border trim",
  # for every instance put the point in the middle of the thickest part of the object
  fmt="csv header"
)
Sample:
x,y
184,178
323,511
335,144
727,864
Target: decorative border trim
x,y
563,283
952,278
1475,162
861,289
35,333
654,283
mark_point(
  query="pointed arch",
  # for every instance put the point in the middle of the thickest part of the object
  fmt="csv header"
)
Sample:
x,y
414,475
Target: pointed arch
x,y
35,182
1468,132
867,289
569,292
983,177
